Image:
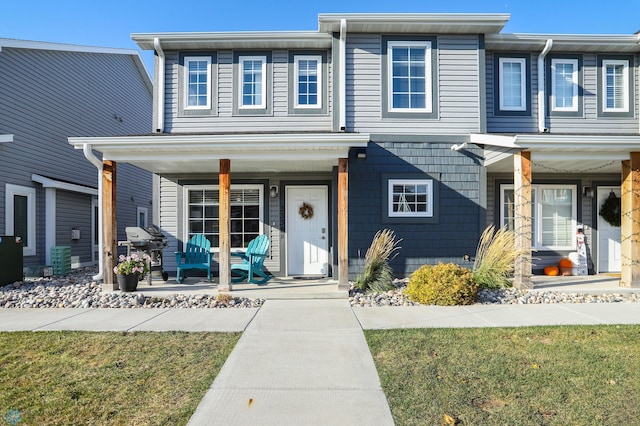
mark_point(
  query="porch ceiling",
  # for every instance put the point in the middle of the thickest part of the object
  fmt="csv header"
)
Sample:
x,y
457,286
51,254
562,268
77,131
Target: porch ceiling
x,y
267,153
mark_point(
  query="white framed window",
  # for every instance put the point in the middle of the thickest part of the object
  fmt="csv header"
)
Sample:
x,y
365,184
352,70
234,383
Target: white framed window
x,y
202,207
409,76
253,74
513,84
553,215
564,85
197,81
615,84
20,216
410,198
308,85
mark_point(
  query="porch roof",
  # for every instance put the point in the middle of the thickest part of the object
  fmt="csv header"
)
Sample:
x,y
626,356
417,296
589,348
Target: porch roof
x,y
559,153
199,153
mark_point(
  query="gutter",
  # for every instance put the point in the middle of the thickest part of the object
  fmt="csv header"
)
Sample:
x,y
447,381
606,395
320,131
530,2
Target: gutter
x,y
160,85
542,113
343,76
88,153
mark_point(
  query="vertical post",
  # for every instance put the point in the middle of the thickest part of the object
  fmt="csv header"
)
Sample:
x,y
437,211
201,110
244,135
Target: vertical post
x,y
225,226
630,221
109,225
343,232
522,218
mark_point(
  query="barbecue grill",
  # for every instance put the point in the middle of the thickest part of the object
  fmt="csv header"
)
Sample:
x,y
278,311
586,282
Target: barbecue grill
x,y
150,241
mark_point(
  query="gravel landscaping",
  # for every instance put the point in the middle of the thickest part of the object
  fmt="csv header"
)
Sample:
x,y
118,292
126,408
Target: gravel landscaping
x,y
78,290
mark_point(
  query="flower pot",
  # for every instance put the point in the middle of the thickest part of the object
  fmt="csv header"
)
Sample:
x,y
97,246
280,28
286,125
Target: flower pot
x,y
127,282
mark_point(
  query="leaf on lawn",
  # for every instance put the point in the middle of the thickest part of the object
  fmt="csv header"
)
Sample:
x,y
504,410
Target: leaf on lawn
x,y
536,366
449,420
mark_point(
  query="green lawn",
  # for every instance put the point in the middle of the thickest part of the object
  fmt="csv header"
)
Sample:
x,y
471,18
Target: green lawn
x,y
587,375
77,378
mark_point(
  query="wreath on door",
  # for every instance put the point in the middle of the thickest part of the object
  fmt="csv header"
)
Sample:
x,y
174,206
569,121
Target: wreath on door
x,y
611,210
306,211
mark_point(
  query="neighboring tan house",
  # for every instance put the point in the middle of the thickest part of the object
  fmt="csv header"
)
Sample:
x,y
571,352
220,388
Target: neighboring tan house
x,y
48,190
432,125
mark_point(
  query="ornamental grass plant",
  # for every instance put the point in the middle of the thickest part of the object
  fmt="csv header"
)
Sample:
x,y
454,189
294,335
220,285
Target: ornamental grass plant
x,y
495,258
378,275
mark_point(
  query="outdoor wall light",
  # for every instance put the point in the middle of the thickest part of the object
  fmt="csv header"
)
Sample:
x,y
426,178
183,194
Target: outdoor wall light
x,y
273,191
361,154
588,191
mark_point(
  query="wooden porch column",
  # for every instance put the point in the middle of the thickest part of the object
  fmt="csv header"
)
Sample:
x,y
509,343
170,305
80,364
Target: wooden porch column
x,y
630,222
343,232
522,218
109,227
225,226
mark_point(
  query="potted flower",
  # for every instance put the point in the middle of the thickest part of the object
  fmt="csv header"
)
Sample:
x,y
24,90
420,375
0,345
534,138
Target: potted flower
x,y
131,269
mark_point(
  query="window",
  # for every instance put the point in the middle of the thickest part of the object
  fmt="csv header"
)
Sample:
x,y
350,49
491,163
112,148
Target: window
x,y
409,73
197,82
253,81
142,216
308,74
564,85
553,215
20,220
615,84
513,84
410,198
202,216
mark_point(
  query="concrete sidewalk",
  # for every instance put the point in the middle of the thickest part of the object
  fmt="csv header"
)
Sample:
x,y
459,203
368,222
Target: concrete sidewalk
x,y
302,362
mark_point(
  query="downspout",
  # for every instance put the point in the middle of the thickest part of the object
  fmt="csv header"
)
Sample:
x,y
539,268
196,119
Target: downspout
x,y
160,93
343,76
86,149
542,114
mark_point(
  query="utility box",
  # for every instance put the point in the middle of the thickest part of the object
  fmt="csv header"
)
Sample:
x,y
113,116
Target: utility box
x,y
11,260
61,260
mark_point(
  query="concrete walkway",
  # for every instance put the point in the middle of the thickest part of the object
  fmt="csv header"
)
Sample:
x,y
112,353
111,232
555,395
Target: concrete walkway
x,y
300,362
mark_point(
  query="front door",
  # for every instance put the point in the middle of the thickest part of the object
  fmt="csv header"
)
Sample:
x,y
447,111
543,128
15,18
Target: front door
x,y
307,230
609,250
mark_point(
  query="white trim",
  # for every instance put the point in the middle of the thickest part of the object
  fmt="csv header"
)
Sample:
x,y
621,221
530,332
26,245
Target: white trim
x,y
29,246
625,85
42,45
6,138
342,77
426,182
523,83
186,79
263,83
95,221
296,73
57,184
428,87
50,204
574,82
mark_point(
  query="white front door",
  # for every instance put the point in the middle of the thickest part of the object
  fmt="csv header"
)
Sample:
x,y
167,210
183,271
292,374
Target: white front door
x,y
609,250
307,230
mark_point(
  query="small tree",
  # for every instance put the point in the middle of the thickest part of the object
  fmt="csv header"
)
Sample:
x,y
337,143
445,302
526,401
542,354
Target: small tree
x,y
378,276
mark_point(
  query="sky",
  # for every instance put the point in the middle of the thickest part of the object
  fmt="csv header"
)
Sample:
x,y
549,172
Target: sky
x,y
109,23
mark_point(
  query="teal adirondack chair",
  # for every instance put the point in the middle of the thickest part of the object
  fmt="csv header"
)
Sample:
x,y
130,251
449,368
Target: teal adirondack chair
x,y
252,261
197,255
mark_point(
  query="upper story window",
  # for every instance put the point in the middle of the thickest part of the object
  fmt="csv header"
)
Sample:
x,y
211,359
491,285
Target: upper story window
x,y
512,80
253,74
409,71
564,85
197,82
308,86
408,77
513,84
615,77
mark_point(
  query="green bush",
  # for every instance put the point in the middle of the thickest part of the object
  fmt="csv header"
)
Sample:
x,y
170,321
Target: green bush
x,y
444,284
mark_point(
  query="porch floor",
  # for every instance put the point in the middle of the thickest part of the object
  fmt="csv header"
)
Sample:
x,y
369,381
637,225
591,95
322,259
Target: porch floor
x,y
327,288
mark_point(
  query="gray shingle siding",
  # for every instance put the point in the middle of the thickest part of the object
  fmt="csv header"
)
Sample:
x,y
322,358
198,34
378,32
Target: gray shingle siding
x,y
455,228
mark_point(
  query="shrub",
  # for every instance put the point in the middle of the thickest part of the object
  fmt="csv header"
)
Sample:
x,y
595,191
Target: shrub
x,y
378,276
495,258
444,284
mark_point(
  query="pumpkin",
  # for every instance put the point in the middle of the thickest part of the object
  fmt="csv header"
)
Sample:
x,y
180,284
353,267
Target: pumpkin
x,y
551,270
565,262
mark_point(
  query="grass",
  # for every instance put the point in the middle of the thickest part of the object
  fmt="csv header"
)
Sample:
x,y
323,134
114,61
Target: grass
x,y
78,378
586,375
